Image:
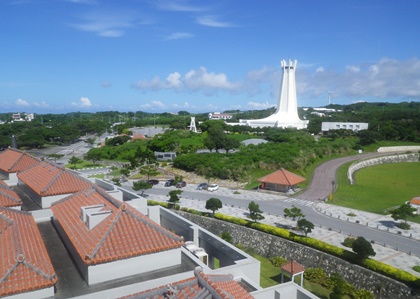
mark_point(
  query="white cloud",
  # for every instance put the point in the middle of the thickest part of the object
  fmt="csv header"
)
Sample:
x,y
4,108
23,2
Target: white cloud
x,y
173,6
179,35
90,2
42,104
259,105
83,103
212,21
22,103
320,69
353,68
153,105
387,78
107,24
193,80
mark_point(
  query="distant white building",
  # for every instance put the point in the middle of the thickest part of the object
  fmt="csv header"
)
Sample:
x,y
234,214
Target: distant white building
x,y
24,117
328,126
218,115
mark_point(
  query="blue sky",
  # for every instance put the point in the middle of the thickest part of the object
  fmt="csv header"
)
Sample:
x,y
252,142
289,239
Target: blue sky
x,y
59,56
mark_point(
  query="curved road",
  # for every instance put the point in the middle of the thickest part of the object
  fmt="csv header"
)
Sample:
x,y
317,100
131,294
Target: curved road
x,y
319,188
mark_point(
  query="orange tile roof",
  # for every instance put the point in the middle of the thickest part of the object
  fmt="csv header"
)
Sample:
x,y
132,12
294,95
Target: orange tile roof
x,y
415,200
124,233
282,177
47,179
13,160
138,136
200,286
24,265
8,197
292,267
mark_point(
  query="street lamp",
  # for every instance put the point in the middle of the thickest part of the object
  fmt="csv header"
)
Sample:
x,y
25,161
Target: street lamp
x,y
332,185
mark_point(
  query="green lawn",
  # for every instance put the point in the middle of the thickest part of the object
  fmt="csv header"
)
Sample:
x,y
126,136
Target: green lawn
x,y
378,188
271,276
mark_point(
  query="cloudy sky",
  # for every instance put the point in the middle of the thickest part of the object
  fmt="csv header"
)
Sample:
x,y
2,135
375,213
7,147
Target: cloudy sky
x,y
59,56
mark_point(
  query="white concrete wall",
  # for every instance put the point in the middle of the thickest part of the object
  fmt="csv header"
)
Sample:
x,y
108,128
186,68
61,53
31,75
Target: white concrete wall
x,y
393,149
132,266
38,294
12,180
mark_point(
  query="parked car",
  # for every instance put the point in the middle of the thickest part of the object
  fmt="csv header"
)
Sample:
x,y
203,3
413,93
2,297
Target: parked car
x,y
153,182
181,184
213,187
169,183
202,186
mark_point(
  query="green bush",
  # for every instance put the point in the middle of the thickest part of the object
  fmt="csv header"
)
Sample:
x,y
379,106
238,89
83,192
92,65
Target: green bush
x,y
226,236
363,294
348,242
277,261
416,268
315,275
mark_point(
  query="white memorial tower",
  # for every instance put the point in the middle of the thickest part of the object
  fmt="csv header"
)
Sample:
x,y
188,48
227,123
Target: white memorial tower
x,y
286,115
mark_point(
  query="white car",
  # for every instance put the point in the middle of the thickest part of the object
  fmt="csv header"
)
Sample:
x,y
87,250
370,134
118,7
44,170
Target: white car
x,y
213,187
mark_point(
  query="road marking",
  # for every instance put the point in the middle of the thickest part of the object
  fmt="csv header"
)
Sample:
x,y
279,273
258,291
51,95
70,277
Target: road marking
x,y
301,202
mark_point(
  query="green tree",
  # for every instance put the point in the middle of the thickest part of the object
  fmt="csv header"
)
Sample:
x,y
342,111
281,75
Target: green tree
x,y
255,212
363,248
55,156
141,185
74,161
90,141
305,225
293,213
402,213
125,172
149,170
213,204
94,155
174,196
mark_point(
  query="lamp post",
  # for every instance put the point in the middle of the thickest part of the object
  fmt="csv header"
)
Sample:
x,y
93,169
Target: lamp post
x,y
332,186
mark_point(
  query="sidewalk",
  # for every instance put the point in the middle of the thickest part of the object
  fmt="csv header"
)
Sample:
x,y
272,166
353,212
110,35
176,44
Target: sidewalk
x,y
386,255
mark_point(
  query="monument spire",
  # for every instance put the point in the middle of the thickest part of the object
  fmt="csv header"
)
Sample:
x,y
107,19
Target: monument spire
x,y
286,114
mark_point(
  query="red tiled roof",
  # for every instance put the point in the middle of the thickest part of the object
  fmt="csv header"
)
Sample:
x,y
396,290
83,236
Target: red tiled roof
x,y
13,160
200,286
47,179
138,136
24,265
292,267
124,233
8,197
282,177
415,200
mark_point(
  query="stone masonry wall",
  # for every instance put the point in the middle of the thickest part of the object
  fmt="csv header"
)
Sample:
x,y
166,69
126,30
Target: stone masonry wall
x,y
413,157
269,246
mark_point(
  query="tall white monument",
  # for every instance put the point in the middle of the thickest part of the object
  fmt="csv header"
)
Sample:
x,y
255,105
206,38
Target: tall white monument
x,y
286,115
192,125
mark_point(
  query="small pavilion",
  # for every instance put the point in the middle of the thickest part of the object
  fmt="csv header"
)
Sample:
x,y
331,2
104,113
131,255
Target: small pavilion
x,y
280,180
293,268
415,203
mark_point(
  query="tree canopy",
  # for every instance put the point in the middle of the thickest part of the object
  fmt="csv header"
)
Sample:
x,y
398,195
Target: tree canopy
x,y
213,204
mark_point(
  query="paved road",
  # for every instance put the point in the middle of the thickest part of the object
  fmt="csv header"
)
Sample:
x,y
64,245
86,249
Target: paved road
x,y
319,188
322,181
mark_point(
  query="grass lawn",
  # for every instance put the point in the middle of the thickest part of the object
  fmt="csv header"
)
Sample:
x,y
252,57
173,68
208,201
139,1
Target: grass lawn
x,y
378,188
271,276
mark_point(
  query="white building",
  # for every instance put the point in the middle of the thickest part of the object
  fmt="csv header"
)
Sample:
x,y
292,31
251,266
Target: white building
x,y
218,115
328,126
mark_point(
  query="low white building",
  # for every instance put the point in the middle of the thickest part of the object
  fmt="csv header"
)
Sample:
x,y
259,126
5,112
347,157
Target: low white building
x,y
218,115
328,126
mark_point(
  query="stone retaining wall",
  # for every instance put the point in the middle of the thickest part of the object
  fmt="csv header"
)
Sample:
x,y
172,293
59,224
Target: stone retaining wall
x,y
398,158
269,246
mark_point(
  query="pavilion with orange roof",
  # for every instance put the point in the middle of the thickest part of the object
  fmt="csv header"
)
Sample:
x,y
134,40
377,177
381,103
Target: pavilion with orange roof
x,y
280,180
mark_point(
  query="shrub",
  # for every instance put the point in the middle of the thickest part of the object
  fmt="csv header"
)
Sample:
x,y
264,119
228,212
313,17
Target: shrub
x,y
416,268
315,275
277,261
363,294
226,236
348,242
